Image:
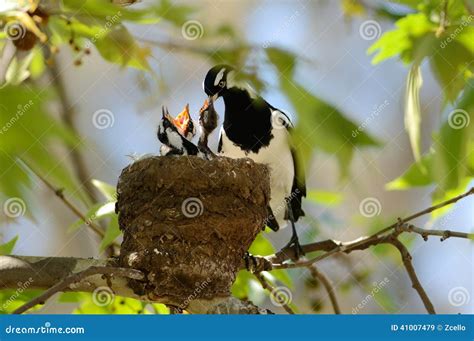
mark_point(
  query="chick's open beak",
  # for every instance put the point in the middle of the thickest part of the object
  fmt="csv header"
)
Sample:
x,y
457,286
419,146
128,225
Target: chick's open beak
x,y
182,120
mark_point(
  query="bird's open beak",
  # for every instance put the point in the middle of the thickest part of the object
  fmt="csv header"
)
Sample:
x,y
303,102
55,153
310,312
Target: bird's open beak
x,y
182,120
165,113
213,98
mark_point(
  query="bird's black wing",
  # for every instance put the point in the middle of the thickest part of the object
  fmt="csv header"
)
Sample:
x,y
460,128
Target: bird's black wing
x,y
298,190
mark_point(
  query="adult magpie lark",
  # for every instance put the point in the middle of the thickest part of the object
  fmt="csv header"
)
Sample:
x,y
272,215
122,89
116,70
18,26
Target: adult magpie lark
x,y
255,129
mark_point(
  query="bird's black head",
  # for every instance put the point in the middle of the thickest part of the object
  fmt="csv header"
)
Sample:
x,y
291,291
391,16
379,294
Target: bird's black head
x,y
216,81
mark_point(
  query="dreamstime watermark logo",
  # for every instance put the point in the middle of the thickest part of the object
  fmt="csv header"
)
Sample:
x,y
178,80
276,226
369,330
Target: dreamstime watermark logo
x,y
110,22
281,207
280,120
281,296
14,207
375,113
21,110
370,207
377,286
192,207
192,30
459,296
370,30
103,296
465,23
15,30
103,119
458,119
22,286
199,287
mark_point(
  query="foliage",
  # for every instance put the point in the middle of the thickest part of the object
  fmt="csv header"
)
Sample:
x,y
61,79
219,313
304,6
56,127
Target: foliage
x,y
434,33
441,33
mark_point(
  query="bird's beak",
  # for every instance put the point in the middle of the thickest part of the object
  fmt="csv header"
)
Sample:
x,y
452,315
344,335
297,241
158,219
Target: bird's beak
x,y
182,120
165,113
213,98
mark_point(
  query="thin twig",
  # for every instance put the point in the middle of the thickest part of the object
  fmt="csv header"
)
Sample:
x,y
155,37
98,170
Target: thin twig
x,y
273,291
424,233
67,114
429,210
407,262
59,193
77,277
318,275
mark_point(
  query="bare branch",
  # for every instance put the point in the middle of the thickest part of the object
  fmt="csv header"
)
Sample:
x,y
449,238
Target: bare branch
x,y
45,272
67,114
332,247
78,277
273,291
406,258
318,275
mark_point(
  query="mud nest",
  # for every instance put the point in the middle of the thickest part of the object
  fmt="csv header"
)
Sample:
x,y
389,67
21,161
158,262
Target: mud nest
x,y
187,223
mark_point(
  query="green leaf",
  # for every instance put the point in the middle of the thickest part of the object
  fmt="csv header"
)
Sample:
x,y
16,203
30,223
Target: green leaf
x,y
283,277
418,174
261,246
18,70
96,212
241,286
451,65
107,190
28,132
452,142
119,46
411,39
320,125
284,60
11,299
173,12
107,11
112,232
72,297
325,198
161,309
413,109
440,195
7,248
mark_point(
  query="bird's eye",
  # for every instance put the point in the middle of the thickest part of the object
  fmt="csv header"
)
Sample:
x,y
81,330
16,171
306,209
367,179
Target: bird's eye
x,y
222,84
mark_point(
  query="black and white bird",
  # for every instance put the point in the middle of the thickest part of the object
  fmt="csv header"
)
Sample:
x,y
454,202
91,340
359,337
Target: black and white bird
x,y
255,129
172,141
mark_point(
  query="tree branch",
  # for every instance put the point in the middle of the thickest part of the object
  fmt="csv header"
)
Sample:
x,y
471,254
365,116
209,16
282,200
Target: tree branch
x,y
274,292
69,281
46,272
407,262
318,275
67,114
59,193
277,261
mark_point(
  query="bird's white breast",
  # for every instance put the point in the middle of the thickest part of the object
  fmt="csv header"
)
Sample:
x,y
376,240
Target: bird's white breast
x,y
277,156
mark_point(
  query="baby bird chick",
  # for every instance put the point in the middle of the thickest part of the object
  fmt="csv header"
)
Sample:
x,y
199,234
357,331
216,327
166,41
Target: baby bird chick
x,y
173,143
208,118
